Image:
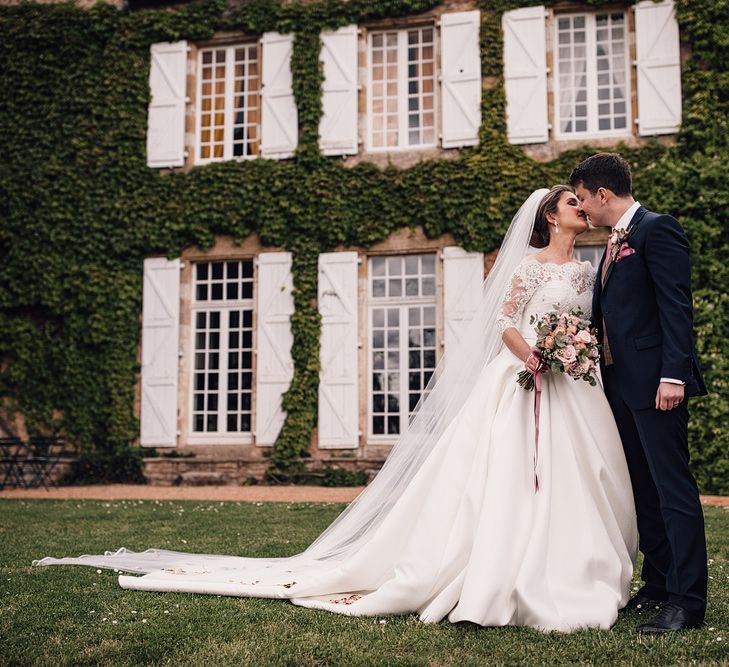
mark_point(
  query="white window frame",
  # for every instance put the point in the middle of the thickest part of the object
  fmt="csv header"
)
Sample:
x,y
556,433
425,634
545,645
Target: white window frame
x,y
229,99
221,437
590,43
589,251
402,303
402,78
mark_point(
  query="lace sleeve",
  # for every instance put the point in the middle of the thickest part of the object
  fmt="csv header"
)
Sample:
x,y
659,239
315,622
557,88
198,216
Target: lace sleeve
x,y
523,285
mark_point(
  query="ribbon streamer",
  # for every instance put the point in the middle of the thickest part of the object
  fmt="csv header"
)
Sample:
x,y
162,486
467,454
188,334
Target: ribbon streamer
x,y
541,366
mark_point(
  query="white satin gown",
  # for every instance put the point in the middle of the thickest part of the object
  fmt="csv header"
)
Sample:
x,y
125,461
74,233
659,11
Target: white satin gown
x,y
469,539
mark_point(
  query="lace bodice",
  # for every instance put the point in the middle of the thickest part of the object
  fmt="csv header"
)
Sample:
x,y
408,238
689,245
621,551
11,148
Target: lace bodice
x,y
536,287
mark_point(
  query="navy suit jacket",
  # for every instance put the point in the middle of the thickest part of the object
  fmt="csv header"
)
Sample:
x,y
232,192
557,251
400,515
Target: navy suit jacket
x,y
647,310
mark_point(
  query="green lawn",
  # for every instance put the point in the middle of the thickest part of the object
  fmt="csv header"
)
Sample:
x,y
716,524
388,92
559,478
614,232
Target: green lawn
x,y
75,615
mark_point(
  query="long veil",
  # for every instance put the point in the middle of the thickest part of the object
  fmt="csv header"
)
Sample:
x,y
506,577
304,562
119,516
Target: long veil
x,y
452,381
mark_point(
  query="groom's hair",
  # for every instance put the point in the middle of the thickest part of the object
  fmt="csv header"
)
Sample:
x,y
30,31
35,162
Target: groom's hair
x,y
603,170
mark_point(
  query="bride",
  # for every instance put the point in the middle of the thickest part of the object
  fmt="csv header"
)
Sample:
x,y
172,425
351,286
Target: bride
x,y
452,526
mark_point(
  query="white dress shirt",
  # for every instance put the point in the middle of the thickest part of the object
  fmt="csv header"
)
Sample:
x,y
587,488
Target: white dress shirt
x,y
622,224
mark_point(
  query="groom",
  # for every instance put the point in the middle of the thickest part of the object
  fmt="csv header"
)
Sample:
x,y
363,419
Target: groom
x,y
643,312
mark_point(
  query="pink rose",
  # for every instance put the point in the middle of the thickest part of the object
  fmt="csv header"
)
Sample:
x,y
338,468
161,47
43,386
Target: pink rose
x,y
583,336
572,329
567,354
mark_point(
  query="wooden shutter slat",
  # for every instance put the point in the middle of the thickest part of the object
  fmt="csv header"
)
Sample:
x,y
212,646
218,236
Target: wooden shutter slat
x,y
525,75
462,287
460,78
274,363
279,121
658,57
160,344
166,112
338,377
338,125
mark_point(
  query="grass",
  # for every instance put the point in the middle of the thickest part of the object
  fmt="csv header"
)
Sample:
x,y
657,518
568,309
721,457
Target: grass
x,y
75,615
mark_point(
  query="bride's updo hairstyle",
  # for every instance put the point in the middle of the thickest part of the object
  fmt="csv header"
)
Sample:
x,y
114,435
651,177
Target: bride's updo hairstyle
x,y
540,235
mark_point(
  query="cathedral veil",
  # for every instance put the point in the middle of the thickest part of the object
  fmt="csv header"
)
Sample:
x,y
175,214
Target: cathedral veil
x,y
452,381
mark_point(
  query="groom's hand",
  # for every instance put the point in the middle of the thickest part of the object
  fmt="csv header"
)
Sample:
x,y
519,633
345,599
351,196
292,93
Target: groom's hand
x,y
669,395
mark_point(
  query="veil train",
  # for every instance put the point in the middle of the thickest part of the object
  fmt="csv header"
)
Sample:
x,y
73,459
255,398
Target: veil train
x,y
440,403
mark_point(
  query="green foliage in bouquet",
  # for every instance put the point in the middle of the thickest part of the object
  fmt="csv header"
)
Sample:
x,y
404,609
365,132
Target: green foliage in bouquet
x,y
80,209
563,348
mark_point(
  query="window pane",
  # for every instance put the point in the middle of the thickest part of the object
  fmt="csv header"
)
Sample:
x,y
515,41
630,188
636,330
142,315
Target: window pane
x,y
572,61
228,406
393,425
237,68
387,127
604,38
402,338
378,425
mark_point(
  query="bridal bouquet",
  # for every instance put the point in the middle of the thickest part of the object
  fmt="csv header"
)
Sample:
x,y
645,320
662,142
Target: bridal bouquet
x,y
566,345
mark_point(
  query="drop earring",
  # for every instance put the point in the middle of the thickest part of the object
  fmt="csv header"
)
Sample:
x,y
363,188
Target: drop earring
x,y
556,227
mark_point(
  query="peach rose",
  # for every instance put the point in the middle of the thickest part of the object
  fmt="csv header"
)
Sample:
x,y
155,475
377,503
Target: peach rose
x,y
549,342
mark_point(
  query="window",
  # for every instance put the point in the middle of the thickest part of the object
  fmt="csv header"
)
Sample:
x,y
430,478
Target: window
x,y
592,75
593,253
228,117
222,374
401,67
402,332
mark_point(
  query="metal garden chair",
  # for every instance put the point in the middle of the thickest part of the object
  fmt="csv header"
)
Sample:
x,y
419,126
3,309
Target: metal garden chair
x,y
12,451
43,453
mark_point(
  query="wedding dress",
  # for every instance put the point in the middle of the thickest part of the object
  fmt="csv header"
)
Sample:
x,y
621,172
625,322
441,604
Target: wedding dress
x,y
466,538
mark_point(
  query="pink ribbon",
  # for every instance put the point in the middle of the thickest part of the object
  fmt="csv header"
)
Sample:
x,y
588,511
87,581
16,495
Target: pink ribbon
x,y
537,402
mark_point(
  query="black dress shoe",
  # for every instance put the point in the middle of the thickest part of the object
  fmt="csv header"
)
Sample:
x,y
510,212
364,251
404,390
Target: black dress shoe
x,y
671,618
641,602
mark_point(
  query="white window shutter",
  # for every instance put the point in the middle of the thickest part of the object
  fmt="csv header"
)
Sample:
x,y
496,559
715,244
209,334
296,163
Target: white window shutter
x,y
274,364
279,120
338,396
460,78
525,75
166,113
659,68
338,125
462,289
160,347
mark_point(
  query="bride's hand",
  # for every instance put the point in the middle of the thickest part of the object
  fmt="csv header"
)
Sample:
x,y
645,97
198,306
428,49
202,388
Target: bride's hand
x,y
533,360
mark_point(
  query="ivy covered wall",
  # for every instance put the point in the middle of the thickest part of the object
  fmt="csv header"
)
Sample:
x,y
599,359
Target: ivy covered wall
x,y
80,210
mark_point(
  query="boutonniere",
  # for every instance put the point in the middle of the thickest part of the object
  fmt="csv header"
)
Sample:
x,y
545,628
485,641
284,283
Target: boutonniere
x,y
619,247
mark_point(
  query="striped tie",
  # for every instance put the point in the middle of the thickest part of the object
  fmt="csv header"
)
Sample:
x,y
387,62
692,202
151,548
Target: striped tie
x,y
607,356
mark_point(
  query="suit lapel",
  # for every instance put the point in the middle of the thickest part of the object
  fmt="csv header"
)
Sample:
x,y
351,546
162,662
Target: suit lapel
x,y
637,217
